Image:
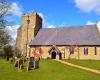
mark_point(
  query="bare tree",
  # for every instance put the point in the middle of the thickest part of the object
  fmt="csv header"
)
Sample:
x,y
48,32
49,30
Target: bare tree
x,y
4,11
5,38
72,50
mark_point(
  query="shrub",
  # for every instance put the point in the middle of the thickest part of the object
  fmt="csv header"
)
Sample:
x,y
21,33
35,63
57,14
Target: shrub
x,y
8,52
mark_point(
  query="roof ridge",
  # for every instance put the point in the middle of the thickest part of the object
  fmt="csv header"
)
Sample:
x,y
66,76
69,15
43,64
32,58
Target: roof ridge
x,y
71,26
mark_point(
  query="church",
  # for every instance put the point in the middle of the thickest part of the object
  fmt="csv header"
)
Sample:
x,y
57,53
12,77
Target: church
x,y
74,42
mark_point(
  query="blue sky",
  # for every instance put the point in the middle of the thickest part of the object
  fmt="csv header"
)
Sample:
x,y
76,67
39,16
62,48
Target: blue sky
x,y
57,13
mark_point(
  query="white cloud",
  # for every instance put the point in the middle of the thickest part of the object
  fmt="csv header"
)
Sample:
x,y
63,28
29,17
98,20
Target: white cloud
x,y
98,25
88,5
45,23
90,23
12,30
51,26
15,9
42,16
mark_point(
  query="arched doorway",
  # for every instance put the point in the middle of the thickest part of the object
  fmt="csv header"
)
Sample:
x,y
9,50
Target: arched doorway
x,y
53,54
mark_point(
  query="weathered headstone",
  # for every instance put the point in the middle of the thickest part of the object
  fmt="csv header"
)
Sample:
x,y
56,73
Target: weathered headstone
x,y
31,63
36,64
19,63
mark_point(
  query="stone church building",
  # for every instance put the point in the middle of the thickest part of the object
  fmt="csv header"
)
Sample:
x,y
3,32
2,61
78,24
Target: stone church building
x,y
78,42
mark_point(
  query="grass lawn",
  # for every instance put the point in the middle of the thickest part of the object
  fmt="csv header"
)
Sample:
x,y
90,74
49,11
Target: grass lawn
x,y
94,64
49,70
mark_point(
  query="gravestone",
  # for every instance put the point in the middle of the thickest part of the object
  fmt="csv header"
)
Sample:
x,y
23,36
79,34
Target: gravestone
x,y
31,63
19,63
36,64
